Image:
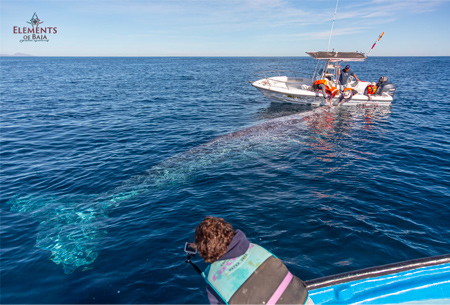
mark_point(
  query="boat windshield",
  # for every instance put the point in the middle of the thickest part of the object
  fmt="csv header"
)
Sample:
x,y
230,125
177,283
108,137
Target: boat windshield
x,y
327,69
329,63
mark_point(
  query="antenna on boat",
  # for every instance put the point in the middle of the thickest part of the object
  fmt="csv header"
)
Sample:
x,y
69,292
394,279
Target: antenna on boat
x,y
375,44
332,25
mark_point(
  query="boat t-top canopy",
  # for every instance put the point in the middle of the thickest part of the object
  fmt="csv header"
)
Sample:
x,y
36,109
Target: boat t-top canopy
x,y
338,56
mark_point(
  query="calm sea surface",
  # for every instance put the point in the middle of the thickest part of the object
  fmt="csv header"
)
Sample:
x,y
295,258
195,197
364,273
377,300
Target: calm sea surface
x,y
108,165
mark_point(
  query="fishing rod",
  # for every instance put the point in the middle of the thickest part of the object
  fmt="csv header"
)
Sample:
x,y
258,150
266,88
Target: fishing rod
x,y
375,44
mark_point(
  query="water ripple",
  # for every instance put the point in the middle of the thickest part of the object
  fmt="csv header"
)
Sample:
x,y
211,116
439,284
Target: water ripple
x,y
108,164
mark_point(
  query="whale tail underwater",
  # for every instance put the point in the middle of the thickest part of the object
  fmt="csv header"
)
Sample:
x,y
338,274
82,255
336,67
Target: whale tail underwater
x,y
71,225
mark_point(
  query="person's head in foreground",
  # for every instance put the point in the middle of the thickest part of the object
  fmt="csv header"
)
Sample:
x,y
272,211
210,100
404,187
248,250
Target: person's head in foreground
x,y
212,237
241,272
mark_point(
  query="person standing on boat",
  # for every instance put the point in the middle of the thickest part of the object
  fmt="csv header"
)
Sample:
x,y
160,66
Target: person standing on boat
x,y
241,272
344,75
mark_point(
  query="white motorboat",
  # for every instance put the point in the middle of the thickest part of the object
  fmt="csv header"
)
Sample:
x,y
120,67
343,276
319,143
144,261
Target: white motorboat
x,y
294,87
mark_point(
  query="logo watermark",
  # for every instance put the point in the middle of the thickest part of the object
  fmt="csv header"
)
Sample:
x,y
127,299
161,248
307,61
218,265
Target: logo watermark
x,y
36,33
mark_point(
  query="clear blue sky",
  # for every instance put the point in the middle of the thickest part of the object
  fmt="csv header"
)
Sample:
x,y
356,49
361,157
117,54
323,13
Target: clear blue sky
x,y
228,28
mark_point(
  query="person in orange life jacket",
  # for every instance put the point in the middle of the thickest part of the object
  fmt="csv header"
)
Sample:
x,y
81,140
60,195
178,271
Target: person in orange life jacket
x,y
344,75
371,90
241,272
327,91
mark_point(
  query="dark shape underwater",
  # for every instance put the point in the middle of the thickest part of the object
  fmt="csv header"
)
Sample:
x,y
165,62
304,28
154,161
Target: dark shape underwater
x,y
71,225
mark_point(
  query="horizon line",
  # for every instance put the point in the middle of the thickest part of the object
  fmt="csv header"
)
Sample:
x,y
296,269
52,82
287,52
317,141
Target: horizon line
x,y
193,56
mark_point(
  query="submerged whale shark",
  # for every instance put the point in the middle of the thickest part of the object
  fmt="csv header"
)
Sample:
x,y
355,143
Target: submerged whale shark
x,y
71,225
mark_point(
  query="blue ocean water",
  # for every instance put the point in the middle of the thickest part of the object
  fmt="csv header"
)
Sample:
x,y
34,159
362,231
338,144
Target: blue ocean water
x,y
108,165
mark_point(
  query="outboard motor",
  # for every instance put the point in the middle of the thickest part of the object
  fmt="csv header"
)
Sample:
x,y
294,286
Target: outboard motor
x,y
384,87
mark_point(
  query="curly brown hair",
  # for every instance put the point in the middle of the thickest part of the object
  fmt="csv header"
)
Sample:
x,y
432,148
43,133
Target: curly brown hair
x,y
213,236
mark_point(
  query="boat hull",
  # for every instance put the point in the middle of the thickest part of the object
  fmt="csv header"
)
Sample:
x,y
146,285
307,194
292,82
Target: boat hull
x,y
283,94
424,281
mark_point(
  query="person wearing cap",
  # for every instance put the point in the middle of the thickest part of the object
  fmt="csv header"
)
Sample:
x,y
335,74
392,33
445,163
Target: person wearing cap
x,y
344,75
241,272
371,90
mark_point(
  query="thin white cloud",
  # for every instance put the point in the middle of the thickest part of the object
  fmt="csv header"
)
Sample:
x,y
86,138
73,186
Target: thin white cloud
x,y
321,35
359,17
239,15
389,8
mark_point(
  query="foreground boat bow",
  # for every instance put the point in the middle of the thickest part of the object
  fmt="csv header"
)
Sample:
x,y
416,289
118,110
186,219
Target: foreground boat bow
x,y
422,281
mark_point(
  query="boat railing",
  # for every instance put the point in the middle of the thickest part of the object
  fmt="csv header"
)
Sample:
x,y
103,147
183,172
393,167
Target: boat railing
x,y
273,73
279,72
